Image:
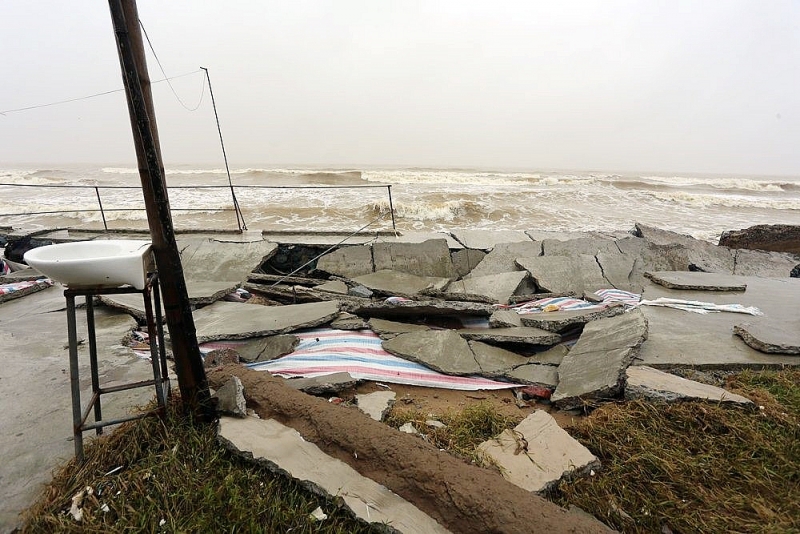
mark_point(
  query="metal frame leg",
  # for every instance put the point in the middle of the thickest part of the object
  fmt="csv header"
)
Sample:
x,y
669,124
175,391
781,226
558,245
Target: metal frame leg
x,y
98,414
74,383
152,333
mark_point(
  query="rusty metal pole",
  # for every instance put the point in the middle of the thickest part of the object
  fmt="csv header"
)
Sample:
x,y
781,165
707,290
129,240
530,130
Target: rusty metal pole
x,y
177,310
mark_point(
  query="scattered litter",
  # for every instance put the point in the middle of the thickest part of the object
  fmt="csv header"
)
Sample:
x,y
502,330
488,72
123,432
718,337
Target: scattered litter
x,y
77,501
15,287
336,400
408,428
382,385
105,508
318,514
434,423
240,295
162,522
697,306
115,470
396,300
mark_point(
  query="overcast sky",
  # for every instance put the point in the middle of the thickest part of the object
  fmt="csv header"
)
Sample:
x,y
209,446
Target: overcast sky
x,y
703,86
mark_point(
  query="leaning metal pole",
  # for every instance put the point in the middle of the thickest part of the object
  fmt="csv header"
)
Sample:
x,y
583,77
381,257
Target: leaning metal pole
x,y
188,362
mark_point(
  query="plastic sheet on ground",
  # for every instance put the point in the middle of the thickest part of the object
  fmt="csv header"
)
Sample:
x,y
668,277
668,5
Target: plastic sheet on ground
x,y
697,306
326,351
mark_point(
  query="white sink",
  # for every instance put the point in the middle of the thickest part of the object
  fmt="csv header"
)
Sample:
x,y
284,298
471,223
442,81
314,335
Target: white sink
x,y
94,264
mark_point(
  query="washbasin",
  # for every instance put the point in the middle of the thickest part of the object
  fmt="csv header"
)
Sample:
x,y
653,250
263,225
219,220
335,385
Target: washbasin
x,y
94,264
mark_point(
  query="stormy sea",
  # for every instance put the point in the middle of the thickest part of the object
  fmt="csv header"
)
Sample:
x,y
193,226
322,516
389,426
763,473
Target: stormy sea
x,y
408,199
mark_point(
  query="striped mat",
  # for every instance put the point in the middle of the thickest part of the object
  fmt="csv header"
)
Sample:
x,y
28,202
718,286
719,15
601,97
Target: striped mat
x,y
326,351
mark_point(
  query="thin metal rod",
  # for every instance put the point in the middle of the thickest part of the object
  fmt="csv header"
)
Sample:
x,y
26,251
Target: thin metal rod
x,y
239,217
100,203
391,206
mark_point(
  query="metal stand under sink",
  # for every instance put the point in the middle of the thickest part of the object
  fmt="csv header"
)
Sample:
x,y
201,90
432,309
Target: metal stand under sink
x,y
155,330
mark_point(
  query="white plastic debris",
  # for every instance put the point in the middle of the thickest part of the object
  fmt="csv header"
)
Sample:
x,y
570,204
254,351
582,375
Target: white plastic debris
x,y
77,501
318,514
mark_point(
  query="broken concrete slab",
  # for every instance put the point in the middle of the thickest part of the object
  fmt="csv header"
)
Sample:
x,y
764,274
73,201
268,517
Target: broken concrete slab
x,y
387,329
285,452
262,349
465,259
211,259
376,404
647,383
590,246
552,356
200,293
504,319
23,275
561,321
335,286
231,320
520,334
441,350
347,261
427,259
323,385
420,308
496,287
618,269
702,256
767,338
595,367
495,362
348,321
502,258
396,283
538,453
562,274
697,281
413,236
677,338
534,373
488,239
230,398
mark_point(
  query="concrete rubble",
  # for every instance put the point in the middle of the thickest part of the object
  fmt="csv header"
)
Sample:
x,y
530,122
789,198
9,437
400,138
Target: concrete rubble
x,y
230,320
561,321
498,287
595,367
537,453
768,339
376,404
452,312
284,451
697,281
230,398
644,382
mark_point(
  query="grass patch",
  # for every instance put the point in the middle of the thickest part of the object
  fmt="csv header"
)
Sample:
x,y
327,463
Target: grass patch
x,y
175,477
463,431
696,467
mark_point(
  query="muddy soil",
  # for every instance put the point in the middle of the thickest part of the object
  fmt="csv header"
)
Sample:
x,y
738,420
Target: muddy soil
x,y
462,497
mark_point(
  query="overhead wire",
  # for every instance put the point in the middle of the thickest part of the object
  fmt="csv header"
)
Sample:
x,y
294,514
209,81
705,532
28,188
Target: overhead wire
x,y
4,112
153,50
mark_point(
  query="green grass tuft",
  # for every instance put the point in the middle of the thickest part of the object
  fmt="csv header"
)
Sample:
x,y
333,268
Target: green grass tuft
x,y
464,430
696,467
177,472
